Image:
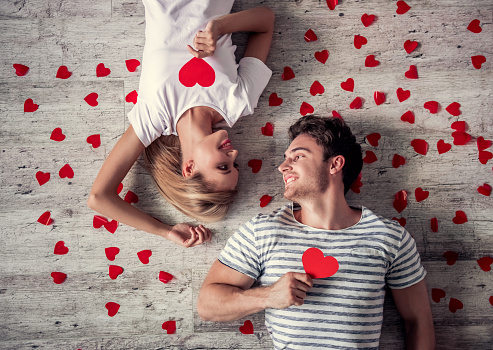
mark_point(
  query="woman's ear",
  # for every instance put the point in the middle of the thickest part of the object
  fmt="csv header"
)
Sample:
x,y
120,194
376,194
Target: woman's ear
x,y
188,168
336,164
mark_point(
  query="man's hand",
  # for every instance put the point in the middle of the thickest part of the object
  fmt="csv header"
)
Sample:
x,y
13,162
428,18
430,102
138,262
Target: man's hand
x,y
205,41
188,235
289,290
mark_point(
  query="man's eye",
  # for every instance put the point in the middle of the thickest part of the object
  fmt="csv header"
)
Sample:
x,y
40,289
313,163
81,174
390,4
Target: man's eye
x,y
223,167
296,158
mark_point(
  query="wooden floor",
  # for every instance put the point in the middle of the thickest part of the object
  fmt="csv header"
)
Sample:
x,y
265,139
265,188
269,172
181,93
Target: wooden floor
x,y
46,34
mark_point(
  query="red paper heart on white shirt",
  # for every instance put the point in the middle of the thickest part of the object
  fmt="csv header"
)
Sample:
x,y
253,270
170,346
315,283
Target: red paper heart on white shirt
x,y
197,71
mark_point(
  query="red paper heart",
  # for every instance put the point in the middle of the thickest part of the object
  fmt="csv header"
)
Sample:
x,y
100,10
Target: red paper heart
x,y
485,190
144,256
30,106
373,139
379,97
92,99
112,308
20,69
316,88
432,106
114,271
45,218
98,221
356,185
332,4
443,147
359,41
367,19
169,327
268,129
131,197
420,146
197,71
461,138
57,135
94,140
111,226
66,171
403,95
402,7
336,115
102,71
42,177
410,46
60,248
401,221
275,100
370,157
255,164
460,217
348,85
420,194
132,64
491,300
453,108
451,257
398,160
264,200
318,266
370,61
484,156
485,263
482,143
477,61
247,327
132,97
474,26
111,252
165,277
434,224
459,126
408,117
306,108
437,294
400,201
322,56
63,73
119,188
454,305
412,73
310,36
288,74
58,277
357,103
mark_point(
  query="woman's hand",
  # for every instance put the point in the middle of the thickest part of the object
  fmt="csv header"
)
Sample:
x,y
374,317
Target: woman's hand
x,y
188,235
205,41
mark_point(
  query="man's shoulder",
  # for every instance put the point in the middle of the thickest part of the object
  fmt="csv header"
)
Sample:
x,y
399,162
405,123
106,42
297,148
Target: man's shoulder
x,y
280,215
374,220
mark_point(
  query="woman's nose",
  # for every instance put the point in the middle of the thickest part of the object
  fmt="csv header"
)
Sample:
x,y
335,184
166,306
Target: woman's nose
x,y
233,154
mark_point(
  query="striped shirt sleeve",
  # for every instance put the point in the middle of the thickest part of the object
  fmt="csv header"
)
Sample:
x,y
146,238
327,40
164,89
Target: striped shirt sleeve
x,y
240,252
405,269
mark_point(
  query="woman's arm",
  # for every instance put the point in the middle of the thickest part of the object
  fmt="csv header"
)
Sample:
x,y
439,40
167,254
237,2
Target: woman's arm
x,y
258,20
105,199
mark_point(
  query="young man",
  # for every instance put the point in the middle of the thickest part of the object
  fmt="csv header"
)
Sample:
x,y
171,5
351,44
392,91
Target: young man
x,y
345,310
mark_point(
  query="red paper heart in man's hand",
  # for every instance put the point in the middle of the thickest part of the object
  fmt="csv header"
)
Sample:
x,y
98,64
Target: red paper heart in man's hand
x,y
197,71
317,265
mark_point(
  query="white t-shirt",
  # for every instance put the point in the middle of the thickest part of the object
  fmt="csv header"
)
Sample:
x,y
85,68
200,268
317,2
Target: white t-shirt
x,y
163,98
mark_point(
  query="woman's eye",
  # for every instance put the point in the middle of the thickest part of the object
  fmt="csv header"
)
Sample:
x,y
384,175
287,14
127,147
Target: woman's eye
x,y
223,167
235,165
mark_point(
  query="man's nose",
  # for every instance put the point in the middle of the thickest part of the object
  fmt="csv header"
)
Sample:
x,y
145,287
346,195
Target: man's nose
x,y
284,166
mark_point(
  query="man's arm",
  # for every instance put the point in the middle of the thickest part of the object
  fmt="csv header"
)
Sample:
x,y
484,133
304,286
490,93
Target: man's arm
x,y
226,295
414,306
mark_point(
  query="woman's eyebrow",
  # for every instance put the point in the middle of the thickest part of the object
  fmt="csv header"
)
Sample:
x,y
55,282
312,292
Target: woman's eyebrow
x,y
298,149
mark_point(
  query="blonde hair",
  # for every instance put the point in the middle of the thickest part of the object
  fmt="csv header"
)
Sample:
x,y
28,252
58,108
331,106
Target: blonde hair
x,y
193,196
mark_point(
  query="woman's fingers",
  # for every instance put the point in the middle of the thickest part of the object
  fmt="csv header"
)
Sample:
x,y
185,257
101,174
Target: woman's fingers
x,y
193,238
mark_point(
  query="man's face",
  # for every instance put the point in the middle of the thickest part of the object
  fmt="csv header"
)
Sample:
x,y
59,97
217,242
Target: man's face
x,y
304,172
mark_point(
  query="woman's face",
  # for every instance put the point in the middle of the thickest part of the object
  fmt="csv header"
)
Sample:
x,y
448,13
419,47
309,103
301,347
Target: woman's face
x,y
214,157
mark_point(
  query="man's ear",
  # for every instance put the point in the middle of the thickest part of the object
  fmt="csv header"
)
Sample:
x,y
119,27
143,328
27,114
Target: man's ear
x,y
336,164
188,168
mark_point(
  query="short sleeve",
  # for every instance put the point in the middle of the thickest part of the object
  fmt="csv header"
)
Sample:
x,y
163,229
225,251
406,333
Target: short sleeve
x,y
406,269
240,252
253,77
147,125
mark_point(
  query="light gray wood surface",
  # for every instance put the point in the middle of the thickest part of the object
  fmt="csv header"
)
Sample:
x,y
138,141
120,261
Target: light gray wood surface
x,y
45,34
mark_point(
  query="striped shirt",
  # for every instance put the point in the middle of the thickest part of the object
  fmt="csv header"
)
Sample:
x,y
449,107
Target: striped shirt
x,y
344,311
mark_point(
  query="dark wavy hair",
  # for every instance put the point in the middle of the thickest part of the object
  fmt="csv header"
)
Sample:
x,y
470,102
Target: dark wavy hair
x,y
335,138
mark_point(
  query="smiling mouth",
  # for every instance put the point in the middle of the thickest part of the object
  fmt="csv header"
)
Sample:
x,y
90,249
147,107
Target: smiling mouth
x,y
290,180
226,144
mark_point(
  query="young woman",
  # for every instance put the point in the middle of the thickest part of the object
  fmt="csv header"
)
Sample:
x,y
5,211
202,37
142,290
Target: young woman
x,y
190,85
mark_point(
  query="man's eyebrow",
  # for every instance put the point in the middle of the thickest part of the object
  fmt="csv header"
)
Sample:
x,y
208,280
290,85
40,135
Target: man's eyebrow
x,y
298,149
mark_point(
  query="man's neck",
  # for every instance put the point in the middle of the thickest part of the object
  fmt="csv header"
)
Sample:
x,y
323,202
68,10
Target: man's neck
x,y
328,212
